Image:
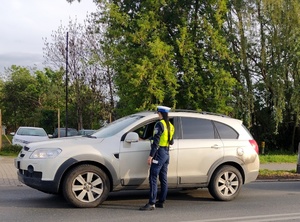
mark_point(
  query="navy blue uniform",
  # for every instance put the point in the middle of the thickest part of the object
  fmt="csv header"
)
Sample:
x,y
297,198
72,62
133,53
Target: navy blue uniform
x,y
159,165
159,158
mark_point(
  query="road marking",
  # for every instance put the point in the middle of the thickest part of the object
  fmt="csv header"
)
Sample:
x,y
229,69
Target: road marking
x,y
258,218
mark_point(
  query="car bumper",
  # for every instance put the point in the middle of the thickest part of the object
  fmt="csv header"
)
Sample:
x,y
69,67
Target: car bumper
x,y
252,171
34,180
33,173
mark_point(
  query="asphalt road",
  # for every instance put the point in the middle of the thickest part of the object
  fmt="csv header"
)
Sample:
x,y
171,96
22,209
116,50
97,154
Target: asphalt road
x,y
258,201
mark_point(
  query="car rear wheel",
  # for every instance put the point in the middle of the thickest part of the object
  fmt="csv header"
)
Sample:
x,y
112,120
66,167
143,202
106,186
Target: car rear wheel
x,y
86,186
225,183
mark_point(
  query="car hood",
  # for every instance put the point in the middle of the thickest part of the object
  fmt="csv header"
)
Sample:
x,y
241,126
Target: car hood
x,y
30,138
65,142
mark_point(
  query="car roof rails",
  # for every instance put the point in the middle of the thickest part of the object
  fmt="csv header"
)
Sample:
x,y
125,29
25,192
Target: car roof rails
x,y
201,112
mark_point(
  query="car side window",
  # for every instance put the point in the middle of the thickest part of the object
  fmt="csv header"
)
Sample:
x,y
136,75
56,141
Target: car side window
x,y
146,131
196,128
225,131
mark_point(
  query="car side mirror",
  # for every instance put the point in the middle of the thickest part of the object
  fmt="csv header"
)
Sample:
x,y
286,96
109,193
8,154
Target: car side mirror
x,y
132,137
12,133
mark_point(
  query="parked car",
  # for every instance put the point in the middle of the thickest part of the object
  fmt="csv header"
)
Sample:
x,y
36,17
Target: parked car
x,y
209,150
86,132
26,135
70,132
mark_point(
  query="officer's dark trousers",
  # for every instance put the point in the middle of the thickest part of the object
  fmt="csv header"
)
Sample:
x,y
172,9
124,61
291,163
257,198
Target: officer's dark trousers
x,y
159,169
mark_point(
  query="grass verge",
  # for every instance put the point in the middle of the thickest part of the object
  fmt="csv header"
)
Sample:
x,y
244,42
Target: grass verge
x,y
278,158
278,174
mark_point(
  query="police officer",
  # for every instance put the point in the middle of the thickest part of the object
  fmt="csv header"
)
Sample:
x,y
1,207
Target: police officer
x,y
159,158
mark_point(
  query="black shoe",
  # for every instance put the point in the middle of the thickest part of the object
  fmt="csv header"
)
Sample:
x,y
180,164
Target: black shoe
x,y
148,207
159,204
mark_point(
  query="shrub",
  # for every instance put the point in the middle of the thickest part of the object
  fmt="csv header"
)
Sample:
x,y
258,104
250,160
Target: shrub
x,y
10,149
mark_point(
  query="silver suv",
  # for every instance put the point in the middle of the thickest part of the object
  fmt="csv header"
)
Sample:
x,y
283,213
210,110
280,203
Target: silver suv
x,y
209,150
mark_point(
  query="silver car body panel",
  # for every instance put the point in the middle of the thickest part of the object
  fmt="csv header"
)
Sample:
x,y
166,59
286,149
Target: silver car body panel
x,y
192,161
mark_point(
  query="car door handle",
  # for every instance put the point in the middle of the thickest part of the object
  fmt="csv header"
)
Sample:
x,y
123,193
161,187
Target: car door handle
x,y
216,146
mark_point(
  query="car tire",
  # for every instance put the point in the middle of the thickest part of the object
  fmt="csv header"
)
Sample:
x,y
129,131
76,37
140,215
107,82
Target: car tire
x,y
225,183
86,186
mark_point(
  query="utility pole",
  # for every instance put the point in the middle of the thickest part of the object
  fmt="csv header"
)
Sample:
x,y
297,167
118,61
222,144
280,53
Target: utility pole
x,y
0,130
67,53
58,123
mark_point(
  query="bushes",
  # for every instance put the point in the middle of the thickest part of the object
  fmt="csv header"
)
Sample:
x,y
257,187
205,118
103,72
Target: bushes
x,y
7,148
10,150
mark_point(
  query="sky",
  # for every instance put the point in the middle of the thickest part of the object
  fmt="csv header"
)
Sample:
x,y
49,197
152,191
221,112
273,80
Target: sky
x,y
25,23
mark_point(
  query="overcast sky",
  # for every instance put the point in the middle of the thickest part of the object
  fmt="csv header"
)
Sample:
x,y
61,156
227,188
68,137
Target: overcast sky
x,y
24,24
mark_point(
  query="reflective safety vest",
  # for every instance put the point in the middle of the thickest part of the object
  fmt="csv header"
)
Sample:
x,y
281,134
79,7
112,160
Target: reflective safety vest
x,y
164,136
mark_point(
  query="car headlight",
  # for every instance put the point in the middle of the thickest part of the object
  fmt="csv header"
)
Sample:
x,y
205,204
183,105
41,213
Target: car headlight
x,y
45,153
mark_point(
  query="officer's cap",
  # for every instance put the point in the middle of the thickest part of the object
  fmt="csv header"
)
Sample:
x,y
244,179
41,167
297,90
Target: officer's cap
x,y
163,109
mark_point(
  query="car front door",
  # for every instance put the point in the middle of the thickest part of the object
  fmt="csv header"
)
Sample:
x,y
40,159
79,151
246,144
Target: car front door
x,y
134,170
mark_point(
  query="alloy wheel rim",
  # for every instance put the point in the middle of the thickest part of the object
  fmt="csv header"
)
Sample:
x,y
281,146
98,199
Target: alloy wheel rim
x,y
87,187
228,184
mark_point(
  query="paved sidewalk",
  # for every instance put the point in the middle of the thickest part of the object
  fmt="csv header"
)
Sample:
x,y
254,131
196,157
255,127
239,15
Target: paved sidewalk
x,y
279,166
8,172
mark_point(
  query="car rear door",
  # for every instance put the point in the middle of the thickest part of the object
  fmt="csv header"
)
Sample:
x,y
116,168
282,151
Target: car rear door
x,y
199,148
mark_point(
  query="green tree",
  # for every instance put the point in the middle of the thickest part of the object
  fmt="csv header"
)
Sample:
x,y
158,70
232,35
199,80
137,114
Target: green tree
x,y
203,56
281,26
51,88
264,37
20,98
169,53
236,57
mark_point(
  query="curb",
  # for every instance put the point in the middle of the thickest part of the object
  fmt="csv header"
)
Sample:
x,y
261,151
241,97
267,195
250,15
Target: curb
x,y
277,180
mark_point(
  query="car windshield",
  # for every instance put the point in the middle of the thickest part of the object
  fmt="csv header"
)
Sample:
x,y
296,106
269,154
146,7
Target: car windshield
x,y
116,126
31,132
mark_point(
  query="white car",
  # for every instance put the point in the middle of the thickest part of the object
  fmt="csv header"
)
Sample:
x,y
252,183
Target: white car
x,y
209,150
26,135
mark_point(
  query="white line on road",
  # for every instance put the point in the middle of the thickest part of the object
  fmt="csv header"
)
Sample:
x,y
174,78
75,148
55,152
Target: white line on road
x,y
258,218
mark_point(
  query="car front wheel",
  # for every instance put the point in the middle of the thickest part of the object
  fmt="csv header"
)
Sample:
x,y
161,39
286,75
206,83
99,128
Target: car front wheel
x,y
86,186
225,183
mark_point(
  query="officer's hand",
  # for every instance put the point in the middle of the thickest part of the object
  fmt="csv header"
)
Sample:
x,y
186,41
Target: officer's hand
x,y
149,161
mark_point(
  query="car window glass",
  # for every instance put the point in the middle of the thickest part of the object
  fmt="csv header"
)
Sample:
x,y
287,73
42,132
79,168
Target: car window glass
x,y
71,132
31,132
146,131
86,132
225,131
116,126
196,128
